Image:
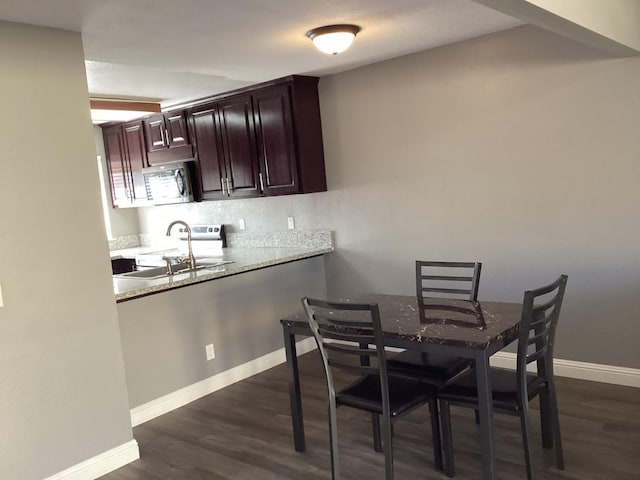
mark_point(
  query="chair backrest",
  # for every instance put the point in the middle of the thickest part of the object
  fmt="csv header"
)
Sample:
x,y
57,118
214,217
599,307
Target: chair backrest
x,y
448,279
355,327
441,285
537,330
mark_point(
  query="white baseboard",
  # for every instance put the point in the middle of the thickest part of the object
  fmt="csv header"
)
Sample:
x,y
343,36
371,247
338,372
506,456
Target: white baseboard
x,y
160,406
179,398
582,370
102,464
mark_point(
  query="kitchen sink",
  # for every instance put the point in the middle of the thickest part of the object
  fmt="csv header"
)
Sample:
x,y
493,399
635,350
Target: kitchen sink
x,y
160,272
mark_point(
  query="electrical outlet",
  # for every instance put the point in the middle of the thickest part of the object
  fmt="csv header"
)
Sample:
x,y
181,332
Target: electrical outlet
x,y
291,223
211,354
241,224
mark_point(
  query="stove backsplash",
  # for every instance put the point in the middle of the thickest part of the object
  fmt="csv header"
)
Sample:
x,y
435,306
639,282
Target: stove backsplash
x,y
265,220
287,239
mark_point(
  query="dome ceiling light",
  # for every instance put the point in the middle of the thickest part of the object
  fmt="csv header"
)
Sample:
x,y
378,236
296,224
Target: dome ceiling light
x,y
333,39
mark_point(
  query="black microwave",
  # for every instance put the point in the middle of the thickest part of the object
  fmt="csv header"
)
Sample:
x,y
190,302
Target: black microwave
x,y
170,183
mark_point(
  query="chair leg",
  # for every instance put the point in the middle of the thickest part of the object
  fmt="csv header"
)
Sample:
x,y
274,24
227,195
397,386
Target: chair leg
x,y
526,439
375,424
447,440
555,422
333,439
387,445
546,420
435,433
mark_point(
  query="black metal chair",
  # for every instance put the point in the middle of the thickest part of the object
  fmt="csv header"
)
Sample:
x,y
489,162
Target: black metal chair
x,y
512,390
343,333
438,280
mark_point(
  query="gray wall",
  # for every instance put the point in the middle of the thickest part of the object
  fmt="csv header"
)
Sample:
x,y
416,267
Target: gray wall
x,y
519,149
164,336
63,394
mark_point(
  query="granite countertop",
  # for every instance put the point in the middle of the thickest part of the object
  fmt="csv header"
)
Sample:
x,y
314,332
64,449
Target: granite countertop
x,y
401,319
244,260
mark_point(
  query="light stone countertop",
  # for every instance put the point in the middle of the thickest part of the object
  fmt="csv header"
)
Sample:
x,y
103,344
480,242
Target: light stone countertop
x,y
244,260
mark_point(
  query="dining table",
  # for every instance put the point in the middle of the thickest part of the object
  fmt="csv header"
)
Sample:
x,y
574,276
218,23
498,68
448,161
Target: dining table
x,y
473,330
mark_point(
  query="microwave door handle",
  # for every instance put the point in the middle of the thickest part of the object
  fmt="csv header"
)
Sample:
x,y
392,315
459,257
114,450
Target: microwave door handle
x,y
180,182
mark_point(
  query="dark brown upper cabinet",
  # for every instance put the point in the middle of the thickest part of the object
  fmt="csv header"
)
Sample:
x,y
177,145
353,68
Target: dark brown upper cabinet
x,y
262,140
126,157
240,150
225,146
274,130
211,173
116,161
134,143
255,141
167,138
289,136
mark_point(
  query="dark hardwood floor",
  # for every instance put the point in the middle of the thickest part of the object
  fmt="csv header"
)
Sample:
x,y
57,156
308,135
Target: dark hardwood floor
x,y
244,433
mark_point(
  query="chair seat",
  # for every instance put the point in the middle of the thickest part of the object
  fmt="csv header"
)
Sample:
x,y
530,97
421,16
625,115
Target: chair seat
x,y
504,386
435,369
404,394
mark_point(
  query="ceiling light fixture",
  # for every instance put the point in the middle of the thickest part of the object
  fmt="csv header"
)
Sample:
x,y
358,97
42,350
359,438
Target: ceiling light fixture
x,y
110,110
333,39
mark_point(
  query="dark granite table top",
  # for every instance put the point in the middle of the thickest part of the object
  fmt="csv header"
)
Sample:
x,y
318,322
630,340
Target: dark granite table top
x,y
459,323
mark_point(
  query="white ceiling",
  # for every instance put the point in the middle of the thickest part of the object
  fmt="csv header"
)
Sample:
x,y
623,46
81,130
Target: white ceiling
x,y
176,50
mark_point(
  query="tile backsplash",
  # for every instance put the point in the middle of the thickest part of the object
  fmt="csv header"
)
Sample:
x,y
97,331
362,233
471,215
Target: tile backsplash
x,y
266,214
265,220
124,241
289,239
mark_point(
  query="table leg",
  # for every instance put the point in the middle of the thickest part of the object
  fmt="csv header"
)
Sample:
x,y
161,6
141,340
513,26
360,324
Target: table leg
x,y
485,408
294,388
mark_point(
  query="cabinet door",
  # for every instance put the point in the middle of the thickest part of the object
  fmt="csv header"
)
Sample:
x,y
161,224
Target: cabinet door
x,y
205,134
155,131
116,164
167,139
137,158
276,150
239,141
175,129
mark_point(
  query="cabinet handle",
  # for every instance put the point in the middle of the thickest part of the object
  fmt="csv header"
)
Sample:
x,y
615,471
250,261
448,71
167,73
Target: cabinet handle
x,y
222,183
166,136
229,189
162,136
261,181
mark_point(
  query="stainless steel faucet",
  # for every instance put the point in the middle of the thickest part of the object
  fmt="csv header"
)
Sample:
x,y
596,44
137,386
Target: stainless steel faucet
x,y
192,260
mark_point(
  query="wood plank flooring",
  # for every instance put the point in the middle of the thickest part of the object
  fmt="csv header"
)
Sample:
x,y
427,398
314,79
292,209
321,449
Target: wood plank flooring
x,y
244,433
